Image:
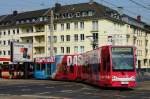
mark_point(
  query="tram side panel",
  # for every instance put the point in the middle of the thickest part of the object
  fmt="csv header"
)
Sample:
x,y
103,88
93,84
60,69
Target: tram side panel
x,y
61,68
94,63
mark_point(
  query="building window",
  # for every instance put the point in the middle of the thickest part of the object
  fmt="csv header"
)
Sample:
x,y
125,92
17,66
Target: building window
x,y
70,15
41,18
81,25
13,31
146,42
0,52
95,25
55,26
68,50
84,14
4,42
27,21
0,33
78,14
67,37
27,30
68,26
0,42
8,32
75,37
95,37
4,52
8,42
17,22
33,20
62,49
75,49
82,49
8,52
109,40
90,13
17,31
55,39
4,33
55,50
62,38
82,37
76,25
62,26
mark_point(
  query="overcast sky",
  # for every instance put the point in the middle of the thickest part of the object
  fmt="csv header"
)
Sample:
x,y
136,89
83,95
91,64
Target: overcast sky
x,y
130,8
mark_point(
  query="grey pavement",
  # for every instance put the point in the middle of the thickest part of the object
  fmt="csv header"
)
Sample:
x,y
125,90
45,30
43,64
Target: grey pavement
x,y
47,89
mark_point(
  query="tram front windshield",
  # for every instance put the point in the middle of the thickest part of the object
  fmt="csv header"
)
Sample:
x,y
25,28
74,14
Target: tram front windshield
x,y
122,59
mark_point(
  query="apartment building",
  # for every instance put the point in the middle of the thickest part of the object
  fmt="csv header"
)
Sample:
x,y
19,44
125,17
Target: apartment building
x,y
77,28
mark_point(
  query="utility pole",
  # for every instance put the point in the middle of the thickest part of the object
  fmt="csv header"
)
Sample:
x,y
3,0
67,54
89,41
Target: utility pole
x,y
51,32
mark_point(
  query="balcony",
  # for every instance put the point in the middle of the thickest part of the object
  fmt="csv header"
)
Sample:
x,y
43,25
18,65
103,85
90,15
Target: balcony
x,y
42,54
39,44
27,34
39,33
31,34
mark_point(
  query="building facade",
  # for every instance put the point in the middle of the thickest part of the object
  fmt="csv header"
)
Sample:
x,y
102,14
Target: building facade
x,y
77,28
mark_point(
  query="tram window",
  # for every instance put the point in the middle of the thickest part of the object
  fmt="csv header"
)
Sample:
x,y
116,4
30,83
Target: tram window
x,y
95,68
38,66
49,68
43,67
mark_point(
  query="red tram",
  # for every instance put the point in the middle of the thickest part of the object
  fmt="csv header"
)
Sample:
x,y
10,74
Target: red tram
x,y
108,66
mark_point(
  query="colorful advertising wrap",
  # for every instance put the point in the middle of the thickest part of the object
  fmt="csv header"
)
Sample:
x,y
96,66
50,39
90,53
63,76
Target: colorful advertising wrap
x,y
21,52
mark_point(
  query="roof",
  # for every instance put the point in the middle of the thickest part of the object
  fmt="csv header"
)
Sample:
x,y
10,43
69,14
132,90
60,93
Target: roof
x,y
100,12
12,18
30,14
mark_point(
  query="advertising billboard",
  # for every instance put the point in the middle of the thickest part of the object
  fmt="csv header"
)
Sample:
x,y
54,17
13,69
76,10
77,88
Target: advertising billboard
x,y
21,52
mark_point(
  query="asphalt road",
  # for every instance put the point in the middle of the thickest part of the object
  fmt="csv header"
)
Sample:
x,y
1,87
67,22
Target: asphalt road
x,y
46,89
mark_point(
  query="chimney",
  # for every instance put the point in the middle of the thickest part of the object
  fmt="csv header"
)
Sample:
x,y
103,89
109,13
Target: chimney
x,y
15,13
120,10
57,6
139,18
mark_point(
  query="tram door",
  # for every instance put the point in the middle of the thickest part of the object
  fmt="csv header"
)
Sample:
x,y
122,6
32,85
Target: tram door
x,y
105,65
42,71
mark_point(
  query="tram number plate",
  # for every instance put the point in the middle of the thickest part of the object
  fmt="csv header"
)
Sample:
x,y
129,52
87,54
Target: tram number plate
x,y
124,82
